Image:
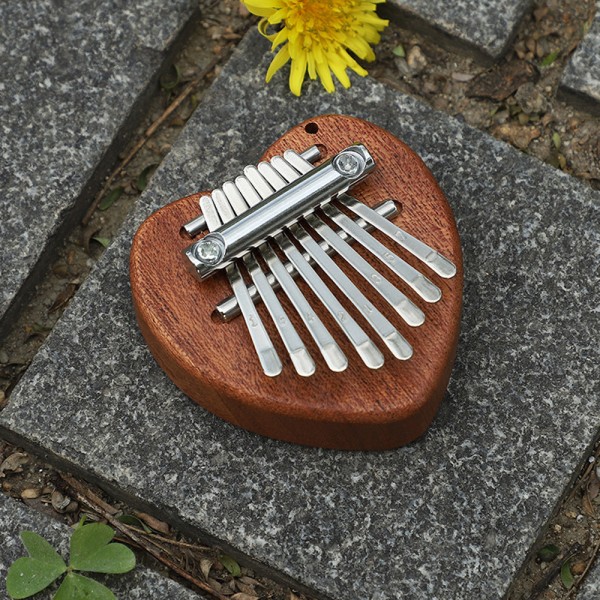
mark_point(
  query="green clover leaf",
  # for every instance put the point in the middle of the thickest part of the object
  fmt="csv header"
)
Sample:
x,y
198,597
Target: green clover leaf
x,y
77,587
91,551
28,576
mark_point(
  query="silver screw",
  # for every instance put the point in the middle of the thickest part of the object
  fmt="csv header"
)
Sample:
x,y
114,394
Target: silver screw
x,y
348,164
209,250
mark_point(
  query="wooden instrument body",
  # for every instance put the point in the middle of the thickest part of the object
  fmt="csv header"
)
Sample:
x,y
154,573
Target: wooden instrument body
x,y
214,363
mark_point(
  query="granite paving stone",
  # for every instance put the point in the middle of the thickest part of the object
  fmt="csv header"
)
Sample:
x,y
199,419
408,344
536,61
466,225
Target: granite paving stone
x,y
591,587
73,76
140,584
484,26
450,516
581,79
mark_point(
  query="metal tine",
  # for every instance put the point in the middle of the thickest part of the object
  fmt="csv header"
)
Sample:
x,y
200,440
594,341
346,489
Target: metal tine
x,y
364,346
329,348
334,357
301,358
332,353
227,309
436,261
416,280
397,344
267,355
432,258
411,313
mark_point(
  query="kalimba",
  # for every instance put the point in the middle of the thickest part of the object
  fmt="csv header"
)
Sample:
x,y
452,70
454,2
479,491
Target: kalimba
x,y
316,299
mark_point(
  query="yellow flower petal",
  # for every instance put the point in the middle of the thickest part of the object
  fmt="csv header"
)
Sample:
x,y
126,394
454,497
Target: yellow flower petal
x,y
318,36
260,11
297,73
263,24
340,73
352,63
279,38
325,77
280,59
312,66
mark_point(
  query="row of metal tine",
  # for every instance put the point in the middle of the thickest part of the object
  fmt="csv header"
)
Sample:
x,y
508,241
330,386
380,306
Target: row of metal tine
x,y
262,181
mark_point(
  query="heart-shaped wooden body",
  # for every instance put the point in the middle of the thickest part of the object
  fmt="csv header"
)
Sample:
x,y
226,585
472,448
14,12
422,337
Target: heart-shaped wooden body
x,y
215,364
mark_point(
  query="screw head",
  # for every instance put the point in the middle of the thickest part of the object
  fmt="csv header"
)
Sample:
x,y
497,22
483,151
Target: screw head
x,y
348,164
209,250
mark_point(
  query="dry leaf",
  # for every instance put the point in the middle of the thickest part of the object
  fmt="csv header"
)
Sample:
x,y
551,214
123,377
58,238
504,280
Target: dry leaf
x,y
64,296
244,587
152,522
60,502
243,596
588,507
88,233
205,566
501,81
593,488
14,463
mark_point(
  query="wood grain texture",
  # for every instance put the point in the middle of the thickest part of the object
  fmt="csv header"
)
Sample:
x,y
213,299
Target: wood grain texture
x,y
214,363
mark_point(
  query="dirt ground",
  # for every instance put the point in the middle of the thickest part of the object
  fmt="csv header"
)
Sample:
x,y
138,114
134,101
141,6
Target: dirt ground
x,y
515,101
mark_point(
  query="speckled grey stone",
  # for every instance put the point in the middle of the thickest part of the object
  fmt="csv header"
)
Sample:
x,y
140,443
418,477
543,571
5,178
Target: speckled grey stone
x,y
140,584
450,516
484,26
590,590
581,79
73,75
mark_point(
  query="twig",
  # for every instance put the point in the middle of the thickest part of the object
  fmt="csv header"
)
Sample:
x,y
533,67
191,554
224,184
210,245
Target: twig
x,y
578,484
85,496
587,568
167,540
187,90
113,511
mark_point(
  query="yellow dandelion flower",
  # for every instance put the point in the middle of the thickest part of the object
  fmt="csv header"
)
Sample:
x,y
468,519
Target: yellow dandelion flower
x,y
318,36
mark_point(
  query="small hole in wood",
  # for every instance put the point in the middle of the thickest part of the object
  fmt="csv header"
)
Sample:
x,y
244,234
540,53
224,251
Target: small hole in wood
x,y
311,128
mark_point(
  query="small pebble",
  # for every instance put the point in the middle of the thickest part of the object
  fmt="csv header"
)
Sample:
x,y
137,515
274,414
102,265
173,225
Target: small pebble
x,y
462,77
416,60
578,568
31,493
